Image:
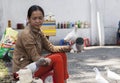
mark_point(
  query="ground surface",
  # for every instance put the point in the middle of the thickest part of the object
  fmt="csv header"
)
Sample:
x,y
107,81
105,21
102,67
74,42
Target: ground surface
x,y
81,65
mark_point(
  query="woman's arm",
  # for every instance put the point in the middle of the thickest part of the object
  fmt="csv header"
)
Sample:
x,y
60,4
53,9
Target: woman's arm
x,y
50,47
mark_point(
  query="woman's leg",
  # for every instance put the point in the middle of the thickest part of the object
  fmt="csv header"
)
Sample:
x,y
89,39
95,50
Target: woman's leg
x,y
56,65
64,57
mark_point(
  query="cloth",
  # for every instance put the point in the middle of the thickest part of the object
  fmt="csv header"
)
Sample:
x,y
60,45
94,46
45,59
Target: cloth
x,y
29,46
62,42
32,67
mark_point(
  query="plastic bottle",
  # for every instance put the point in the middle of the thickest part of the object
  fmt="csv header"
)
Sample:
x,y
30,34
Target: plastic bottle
x,y
62,25
79,25
71,24
9,23
68,24
58,24
76,24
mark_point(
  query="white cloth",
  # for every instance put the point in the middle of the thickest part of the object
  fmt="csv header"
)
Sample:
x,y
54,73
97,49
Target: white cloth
x,y
32,67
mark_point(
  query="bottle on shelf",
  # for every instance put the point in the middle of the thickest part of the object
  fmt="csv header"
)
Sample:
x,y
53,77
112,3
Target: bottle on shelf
x,y
86,24
79,24
68,24
62,25
9,23
71,24
65,25
82,25
58,25
76,24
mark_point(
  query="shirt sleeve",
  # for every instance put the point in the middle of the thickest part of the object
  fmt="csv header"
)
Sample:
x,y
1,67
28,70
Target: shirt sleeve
x,y
30,47
52,48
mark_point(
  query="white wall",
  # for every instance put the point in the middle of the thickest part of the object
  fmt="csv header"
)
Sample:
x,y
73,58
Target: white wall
x,y
112,13
1,19
111,19
64,10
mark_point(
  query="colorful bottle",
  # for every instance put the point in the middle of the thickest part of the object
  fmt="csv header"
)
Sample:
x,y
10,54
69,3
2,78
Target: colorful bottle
x,y
76,24
68,24
65,25
9,23
61,25
79,24
58,24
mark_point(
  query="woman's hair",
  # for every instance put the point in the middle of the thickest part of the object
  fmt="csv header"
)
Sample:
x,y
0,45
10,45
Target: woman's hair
x,y
34,8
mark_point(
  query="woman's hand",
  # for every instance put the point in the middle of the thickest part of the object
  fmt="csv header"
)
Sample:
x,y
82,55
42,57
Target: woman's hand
x,y
48,61
71,44
43,61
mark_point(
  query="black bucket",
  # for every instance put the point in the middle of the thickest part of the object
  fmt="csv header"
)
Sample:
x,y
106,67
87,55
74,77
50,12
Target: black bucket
x,y
79,41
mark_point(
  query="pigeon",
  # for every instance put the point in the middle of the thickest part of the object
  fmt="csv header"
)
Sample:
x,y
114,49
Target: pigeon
x,y
112,75
72,36
99,78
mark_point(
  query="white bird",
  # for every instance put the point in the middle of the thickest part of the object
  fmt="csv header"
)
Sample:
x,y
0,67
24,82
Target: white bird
x,y
74,49
99,78
112,75
72,36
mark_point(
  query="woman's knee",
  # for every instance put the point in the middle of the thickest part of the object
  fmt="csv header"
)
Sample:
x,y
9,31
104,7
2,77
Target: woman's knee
x,y
57,57
64,56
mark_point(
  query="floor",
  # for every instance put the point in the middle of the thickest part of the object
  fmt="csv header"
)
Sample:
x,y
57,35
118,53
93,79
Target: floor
x,y
80,65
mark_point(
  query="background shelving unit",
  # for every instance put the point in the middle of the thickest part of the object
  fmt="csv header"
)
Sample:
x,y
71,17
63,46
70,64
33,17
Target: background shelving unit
x,y
61,33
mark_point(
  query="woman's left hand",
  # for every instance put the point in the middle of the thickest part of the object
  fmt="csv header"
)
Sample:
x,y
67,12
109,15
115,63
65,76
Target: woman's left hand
x,y
43,62
48,61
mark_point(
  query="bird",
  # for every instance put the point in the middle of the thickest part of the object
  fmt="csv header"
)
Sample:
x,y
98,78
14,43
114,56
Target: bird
x,y
72,36
99,78
74,48
112,75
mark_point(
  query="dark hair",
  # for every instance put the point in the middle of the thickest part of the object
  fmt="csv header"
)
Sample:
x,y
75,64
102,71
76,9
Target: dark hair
x,y
34,8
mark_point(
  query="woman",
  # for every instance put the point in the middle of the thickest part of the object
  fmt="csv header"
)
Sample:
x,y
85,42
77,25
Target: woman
x,y
30,44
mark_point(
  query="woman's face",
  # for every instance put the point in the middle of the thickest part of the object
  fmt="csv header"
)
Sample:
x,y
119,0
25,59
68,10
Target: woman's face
x,y
36,19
